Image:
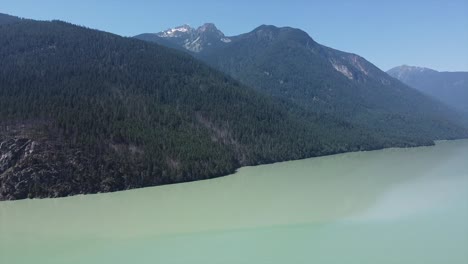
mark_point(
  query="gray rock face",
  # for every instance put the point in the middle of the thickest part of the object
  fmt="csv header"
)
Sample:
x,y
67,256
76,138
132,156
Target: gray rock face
x,y
40,164
23,171
13,153
33,165
12,150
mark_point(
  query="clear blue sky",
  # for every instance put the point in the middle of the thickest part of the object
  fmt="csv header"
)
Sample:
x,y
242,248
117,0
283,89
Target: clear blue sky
x,y
426,33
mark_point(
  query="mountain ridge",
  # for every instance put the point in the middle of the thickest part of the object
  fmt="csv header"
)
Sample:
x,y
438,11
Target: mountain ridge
x,y
449,87
287,63
8,19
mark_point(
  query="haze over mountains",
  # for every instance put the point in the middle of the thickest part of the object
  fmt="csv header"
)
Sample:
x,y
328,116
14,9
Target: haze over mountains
x,y
448,87
84,111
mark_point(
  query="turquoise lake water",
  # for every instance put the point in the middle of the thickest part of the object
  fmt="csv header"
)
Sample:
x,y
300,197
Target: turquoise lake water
x,y
387,206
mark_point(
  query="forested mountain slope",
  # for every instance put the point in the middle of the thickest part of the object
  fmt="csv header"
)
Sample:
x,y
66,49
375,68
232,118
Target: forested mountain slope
x,y
83,111
288,64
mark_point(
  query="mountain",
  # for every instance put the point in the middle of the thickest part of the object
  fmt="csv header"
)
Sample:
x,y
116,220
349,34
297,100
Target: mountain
x,y
288,64
7,19
84,111
449,87
197,40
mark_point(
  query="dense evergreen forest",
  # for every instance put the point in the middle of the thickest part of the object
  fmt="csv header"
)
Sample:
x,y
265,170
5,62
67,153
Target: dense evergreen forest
x,y
84,111
131,114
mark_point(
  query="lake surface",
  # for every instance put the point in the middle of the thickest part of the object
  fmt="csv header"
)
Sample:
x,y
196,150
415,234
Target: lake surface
x,y
387,206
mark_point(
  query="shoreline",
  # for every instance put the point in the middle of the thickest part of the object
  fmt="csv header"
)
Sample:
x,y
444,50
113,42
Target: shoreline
x,y
435,142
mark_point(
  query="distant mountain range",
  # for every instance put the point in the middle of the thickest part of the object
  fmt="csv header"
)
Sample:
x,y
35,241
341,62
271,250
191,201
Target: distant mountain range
x,y
84,111
288,64
449,87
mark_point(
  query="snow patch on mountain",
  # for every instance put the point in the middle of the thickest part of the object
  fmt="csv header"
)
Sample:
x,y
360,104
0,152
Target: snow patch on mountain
x,y
195,40
173,32
195,45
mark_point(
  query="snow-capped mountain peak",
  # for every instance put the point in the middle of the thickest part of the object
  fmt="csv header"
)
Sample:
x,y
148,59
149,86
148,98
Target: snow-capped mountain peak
x,y
176,32
197,39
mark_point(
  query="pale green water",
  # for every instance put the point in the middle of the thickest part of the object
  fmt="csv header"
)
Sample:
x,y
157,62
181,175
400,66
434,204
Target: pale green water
x,y
390,206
